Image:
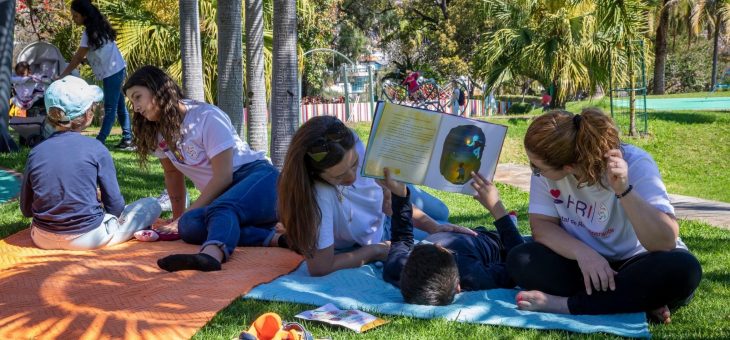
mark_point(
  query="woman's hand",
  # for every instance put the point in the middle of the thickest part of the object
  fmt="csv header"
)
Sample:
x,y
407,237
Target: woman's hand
x,y
617,171
597,273
165,226
380,251
448,227
396,187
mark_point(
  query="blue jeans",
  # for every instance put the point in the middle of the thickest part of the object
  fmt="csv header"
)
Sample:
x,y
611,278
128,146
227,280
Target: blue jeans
x,y
114,106
244,215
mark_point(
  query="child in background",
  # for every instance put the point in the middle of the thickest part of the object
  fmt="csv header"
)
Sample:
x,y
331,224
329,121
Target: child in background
x,y
28,87
60,192
411,83
445,263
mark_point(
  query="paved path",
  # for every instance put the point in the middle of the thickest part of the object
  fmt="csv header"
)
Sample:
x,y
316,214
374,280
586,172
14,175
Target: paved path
x,y
690,208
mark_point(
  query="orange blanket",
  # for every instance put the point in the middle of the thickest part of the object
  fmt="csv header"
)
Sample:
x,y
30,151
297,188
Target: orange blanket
x,y
120,292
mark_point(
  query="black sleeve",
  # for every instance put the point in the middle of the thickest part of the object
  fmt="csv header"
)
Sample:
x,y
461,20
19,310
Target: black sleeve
x,y
401,238
508,233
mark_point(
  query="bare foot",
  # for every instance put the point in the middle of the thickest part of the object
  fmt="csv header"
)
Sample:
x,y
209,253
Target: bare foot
x,y
537,301
661,315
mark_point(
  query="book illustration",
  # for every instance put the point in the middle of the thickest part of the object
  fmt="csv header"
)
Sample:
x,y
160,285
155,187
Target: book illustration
x,y
462,153
429,148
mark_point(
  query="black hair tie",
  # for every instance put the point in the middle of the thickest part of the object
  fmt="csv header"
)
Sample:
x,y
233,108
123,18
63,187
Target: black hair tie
x,y
576,120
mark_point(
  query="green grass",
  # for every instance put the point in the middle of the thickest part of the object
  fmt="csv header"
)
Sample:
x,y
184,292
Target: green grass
x,y
675,136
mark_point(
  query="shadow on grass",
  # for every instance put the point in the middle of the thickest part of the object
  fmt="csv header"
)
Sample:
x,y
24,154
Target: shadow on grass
x,y
684,118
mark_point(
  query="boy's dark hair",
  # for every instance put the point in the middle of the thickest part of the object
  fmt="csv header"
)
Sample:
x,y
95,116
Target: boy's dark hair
x,y
430,276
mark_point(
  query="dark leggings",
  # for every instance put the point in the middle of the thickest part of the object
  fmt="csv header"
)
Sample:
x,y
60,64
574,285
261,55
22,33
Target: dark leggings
x,y
644,282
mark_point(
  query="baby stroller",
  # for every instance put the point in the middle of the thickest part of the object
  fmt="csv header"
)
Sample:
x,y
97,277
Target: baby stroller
x,y
28,112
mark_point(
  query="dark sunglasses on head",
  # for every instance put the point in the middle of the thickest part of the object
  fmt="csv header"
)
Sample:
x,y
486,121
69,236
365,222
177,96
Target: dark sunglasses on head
x,y
321,147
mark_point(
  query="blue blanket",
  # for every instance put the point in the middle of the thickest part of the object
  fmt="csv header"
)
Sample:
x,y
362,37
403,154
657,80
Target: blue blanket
x,y
364,289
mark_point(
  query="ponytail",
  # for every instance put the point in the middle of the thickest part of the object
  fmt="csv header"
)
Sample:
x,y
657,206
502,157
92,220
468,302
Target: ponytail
x,y
560,138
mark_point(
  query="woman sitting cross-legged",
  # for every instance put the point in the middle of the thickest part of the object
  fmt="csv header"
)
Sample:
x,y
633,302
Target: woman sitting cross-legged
x,y
331,215
237,203
605,231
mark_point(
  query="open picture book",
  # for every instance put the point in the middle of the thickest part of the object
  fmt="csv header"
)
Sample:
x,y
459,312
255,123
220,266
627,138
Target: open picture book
x,y
431,148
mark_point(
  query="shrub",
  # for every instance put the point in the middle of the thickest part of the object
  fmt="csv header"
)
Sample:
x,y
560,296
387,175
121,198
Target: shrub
x,y
519,108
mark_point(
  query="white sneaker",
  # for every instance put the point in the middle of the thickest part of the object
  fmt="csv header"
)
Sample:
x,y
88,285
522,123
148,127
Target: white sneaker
x,y
164,201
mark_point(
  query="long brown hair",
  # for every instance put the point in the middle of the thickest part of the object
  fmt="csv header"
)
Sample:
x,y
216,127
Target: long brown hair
x,y
561,138
319,144
167,96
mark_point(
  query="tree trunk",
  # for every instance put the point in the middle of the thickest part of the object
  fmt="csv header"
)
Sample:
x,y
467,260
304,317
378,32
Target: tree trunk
x,y
192,60
7,23
230,62
256,91
660,49
284,85
715,52
632,93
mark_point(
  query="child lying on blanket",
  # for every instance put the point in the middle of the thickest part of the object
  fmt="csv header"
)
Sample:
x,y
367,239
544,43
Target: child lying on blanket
x,y
62,173
445,263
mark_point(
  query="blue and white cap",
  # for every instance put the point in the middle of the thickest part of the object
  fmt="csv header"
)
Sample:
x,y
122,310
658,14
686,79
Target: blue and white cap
x,y
73,96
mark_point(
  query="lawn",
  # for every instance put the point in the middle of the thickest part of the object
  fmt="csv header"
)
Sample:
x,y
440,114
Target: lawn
x,y
690,148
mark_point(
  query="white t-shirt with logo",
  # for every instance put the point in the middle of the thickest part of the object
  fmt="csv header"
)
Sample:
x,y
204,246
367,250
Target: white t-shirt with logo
x,y
206,131
594,215
350,215
106,60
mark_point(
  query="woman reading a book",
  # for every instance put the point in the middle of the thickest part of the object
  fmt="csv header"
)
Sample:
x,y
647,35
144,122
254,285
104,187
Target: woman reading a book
x,y
332,216
605,231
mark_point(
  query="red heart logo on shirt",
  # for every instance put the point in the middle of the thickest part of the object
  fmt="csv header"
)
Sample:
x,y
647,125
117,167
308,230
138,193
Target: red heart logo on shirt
x,y
555,193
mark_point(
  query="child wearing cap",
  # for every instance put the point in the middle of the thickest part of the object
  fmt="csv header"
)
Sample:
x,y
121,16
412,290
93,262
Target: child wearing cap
x,y
60,192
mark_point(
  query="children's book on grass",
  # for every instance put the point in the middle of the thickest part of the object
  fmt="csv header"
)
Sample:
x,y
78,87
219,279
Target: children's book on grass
x,y
355,320
431,148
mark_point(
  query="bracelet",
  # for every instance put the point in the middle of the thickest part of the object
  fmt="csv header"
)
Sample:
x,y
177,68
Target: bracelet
x,y
628,190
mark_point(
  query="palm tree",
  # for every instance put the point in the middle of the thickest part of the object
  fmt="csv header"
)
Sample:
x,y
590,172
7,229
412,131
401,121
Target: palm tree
x,y
550,41
255,79
192,60
7,23
625,24
716,15
284,85
230,62
660,45
149,33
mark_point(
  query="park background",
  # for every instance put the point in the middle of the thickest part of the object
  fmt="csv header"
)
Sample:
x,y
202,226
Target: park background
x,y
514,48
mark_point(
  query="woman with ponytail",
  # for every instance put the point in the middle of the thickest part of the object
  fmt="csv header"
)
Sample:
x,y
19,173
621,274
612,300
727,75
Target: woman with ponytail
x,y
605,231
98,45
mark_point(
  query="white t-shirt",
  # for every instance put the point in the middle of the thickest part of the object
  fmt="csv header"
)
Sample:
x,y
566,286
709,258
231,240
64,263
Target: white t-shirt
x,y
355,219
206,131
594,215
106,60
